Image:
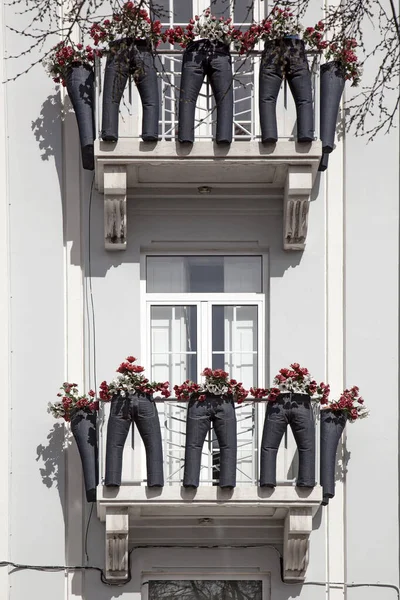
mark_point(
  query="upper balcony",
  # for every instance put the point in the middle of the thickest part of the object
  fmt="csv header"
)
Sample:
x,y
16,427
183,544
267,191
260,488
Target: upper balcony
x,y
138,515
129,167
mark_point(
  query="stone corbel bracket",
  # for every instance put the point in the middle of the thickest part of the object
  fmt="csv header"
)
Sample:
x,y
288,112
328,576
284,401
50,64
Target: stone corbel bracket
x,y
298,527
117,537
299,182
115,191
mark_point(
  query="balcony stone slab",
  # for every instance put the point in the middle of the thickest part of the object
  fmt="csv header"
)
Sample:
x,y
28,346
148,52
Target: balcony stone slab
x,y
129,167
141,516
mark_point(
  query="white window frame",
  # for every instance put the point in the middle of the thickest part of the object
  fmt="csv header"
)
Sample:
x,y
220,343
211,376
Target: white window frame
x,y
204,302
211,575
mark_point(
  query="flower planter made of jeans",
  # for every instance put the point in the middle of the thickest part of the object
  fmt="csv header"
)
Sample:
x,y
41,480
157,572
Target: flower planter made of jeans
x,y
83,427
142,410
332,426
285,57
80,86
219,411
213,59
130,57
295,410
331,89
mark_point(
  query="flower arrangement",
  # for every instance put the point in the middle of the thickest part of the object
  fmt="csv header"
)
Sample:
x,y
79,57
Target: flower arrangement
x,y
205,26
130,379
131,21
71,402
350,403
217,383
65,55
281,23
296,380
343,53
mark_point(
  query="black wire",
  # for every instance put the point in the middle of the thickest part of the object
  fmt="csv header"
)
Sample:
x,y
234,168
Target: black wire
x,y
87,531
93,323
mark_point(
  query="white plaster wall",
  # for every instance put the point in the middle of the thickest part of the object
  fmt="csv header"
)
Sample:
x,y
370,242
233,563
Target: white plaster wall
x,y
372,303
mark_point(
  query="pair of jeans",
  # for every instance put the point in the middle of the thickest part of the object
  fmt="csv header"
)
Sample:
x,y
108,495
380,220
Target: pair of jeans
x,y
294,410
332,426
142,410
285,57
130,57
213,59
221,413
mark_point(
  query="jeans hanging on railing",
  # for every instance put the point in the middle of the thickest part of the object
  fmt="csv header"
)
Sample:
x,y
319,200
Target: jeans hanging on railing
x,y
294,410
285,57
142,410
213,59
332,84
80,86
221,413
130,57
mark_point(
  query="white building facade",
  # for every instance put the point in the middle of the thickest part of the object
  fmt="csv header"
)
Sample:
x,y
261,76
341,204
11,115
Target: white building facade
x,y
243,257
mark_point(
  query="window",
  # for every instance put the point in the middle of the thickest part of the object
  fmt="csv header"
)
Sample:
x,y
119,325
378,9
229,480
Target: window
x,y
206,311
232,585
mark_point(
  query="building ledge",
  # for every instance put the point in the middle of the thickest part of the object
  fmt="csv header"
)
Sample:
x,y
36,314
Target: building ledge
x,y
137,515
286,168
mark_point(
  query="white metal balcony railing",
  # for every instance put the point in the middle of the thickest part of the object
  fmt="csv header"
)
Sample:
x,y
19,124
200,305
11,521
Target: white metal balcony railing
x,y
172,415
245,90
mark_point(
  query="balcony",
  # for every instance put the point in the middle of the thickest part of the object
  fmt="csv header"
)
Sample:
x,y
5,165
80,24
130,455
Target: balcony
x,y
131,168
136,515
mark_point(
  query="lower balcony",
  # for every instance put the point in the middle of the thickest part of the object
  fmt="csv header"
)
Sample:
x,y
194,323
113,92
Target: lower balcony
x,y
136,515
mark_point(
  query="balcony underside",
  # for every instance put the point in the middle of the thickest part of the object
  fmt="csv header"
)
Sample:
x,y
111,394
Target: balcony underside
x,y
129,167
136,515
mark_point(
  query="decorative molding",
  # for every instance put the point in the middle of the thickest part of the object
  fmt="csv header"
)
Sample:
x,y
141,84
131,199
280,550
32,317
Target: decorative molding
x,y
298,526
296,201
166,170
115,194
285,510
117,536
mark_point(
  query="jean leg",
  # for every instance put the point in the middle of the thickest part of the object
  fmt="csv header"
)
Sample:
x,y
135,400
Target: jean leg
x,y
299,80
274,428
270,83
147,85
303,427
221,81
148,425
115,78
193,74
117,431
225,427
197,426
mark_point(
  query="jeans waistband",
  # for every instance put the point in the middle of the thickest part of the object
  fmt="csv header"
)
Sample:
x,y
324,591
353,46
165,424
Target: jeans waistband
x,y
129,41
208,45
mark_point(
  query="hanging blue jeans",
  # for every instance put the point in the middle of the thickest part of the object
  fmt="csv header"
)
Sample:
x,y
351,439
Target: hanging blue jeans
x,y
213,59
285,57
294,410
142,410
221,413
130,57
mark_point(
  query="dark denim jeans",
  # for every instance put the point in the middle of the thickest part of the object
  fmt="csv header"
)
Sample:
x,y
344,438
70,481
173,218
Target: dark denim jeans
x,y
332,83
285,57
83,427
213,59
220,412
80,87
294,410
332,426
130,57
142,410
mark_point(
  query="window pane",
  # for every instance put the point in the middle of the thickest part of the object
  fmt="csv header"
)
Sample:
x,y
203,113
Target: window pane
x,y
206,590
173,343
220,8
183,11
204,274
235,341
243,11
